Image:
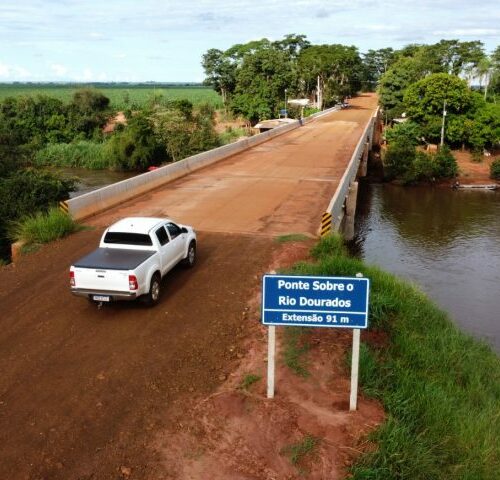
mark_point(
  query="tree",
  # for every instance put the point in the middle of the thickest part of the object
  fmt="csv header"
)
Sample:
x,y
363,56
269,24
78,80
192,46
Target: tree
x,y
485,129
394,82
425,98
261,82
336,69
293,45
136,147
376,63
456,57
184,132
495,72
220,73
88,112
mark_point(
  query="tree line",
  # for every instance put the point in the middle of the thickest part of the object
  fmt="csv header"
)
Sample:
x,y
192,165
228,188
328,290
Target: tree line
x,y
41,131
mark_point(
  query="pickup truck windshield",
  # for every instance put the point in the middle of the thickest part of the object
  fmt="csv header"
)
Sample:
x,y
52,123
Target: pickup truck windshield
x,y
126,238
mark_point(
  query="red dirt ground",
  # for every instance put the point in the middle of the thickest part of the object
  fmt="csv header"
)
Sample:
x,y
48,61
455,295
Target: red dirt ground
x,y
474,173
89,394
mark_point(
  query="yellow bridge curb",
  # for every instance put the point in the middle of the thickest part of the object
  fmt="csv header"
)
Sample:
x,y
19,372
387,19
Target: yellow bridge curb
x,y
63,206
326,224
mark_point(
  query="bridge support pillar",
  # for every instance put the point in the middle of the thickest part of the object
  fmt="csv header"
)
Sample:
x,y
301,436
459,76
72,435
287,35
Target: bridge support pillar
x,y
350,211
363,164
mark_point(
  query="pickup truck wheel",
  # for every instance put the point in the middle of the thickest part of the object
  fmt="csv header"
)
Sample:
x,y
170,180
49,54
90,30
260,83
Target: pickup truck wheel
x,y
191,255
153,296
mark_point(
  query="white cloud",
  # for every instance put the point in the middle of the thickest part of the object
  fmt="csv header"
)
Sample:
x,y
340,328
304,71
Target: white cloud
x,y
469,32
13,72
59,70
96,35
88,75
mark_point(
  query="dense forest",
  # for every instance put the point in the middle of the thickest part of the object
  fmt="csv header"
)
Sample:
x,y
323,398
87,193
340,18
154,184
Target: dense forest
x,y
416,82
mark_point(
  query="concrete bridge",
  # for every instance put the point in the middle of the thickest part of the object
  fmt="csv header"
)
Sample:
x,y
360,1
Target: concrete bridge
x,y
274,183
85,391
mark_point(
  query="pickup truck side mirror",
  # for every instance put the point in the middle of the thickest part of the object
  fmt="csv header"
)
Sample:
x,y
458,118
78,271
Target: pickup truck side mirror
x,y
184,230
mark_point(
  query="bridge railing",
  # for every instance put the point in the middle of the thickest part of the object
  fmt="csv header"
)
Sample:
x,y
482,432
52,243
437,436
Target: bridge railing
x,y
336,205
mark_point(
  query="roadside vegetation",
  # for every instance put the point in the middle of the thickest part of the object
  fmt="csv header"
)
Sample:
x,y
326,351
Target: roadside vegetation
x,y
495,169
42,227
439,387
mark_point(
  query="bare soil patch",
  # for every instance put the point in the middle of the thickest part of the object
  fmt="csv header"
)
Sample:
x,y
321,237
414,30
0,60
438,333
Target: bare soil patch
x,y
473,173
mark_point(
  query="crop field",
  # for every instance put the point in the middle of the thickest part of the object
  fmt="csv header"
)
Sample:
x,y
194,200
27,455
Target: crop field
x,y
121,96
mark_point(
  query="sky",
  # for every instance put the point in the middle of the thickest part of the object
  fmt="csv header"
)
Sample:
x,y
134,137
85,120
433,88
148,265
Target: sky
x,y
153,40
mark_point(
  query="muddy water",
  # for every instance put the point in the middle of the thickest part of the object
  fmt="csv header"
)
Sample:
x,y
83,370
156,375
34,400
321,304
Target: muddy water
x,y
446,241
89,180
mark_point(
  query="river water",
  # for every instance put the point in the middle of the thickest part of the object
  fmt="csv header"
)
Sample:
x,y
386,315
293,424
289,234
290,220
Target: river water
x,y
446,241
89,180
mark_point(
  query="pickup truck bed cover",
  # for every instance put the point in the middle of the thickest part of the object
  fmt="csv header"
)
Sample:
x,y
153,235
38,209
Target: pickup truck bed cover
x,y
114,259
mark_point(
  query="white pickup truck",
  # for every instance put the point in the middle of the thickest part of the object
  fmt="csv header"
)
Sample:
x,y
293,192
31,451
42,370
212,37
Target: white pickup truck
x,y
133,256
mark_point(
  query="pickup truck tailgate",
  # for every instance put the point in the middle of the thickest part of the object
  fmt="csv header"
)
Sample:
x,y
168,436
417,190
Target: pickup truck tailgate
x,y
107,269
101,280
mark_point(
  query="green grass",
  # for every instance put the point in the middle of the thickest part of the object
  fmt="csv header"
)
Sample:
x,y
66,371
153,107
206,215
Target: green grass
x,y
296,452
439,387
249,380
43,227
82,154
121,96
232,134
295,347
292,237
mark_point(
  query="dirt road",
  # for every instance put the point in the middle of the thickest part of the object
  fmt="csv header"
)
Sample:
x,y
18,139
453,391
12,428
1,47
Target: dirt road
x,y
83,390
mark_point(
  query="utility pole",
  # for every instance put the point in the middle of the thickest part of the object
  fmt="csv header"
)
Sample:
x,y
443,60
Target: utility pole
x,y
442,123
319,106
286,106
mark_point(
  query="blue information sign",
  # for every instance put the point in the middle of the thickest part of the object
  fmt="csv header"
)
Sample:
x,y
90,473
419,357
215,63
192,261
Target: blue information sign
x,y
340,302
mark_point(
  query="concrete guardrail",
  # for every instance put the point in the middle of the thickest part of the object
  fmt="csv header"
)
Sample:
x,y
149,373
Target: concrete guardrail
x,y
116,193
336,206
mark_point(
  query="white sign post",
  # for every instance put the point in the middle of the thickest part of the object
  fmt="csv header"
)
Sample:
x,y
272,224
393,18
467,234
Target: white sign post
x,y
271,350
353,401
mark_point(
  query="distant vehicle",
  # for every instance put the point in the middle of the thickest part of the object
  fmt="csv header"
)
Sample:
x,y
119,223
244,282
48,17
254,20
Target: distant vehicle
x,y
133,256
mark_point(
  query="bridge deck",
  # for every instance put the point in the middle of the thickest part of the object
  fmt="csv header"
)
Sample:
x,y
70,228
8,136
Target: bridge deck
x,y
281,186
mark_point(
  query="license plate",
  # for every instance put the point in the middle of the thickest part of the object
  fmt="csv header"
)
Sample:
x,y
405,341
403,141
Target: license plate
x,y
100,298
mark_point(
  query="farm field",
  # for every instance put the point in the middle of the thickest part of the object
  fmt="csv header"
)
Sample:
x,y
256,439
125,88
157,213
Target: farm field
x,y
121,96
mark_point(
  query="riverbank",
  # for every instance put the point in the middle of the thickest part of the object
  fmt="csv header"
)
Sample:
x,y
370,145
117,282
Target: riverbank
x,y
439,387
474,173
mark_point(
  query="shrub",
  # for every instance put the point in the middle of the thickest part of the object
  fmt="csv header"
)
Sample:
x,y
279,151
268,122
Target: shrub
x,y
136,147
445,165
408,132
27,191
495,169
399,159
43,227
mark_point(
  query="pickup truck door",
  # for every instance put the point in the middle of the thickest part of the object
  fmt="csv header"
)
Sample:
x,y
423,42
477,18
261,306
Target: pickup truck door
x,y
166,250
177,240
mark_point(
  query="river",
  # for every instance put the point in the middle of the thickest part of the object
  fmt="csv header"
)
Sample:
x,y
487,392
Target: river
x,y
446,241
89,180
